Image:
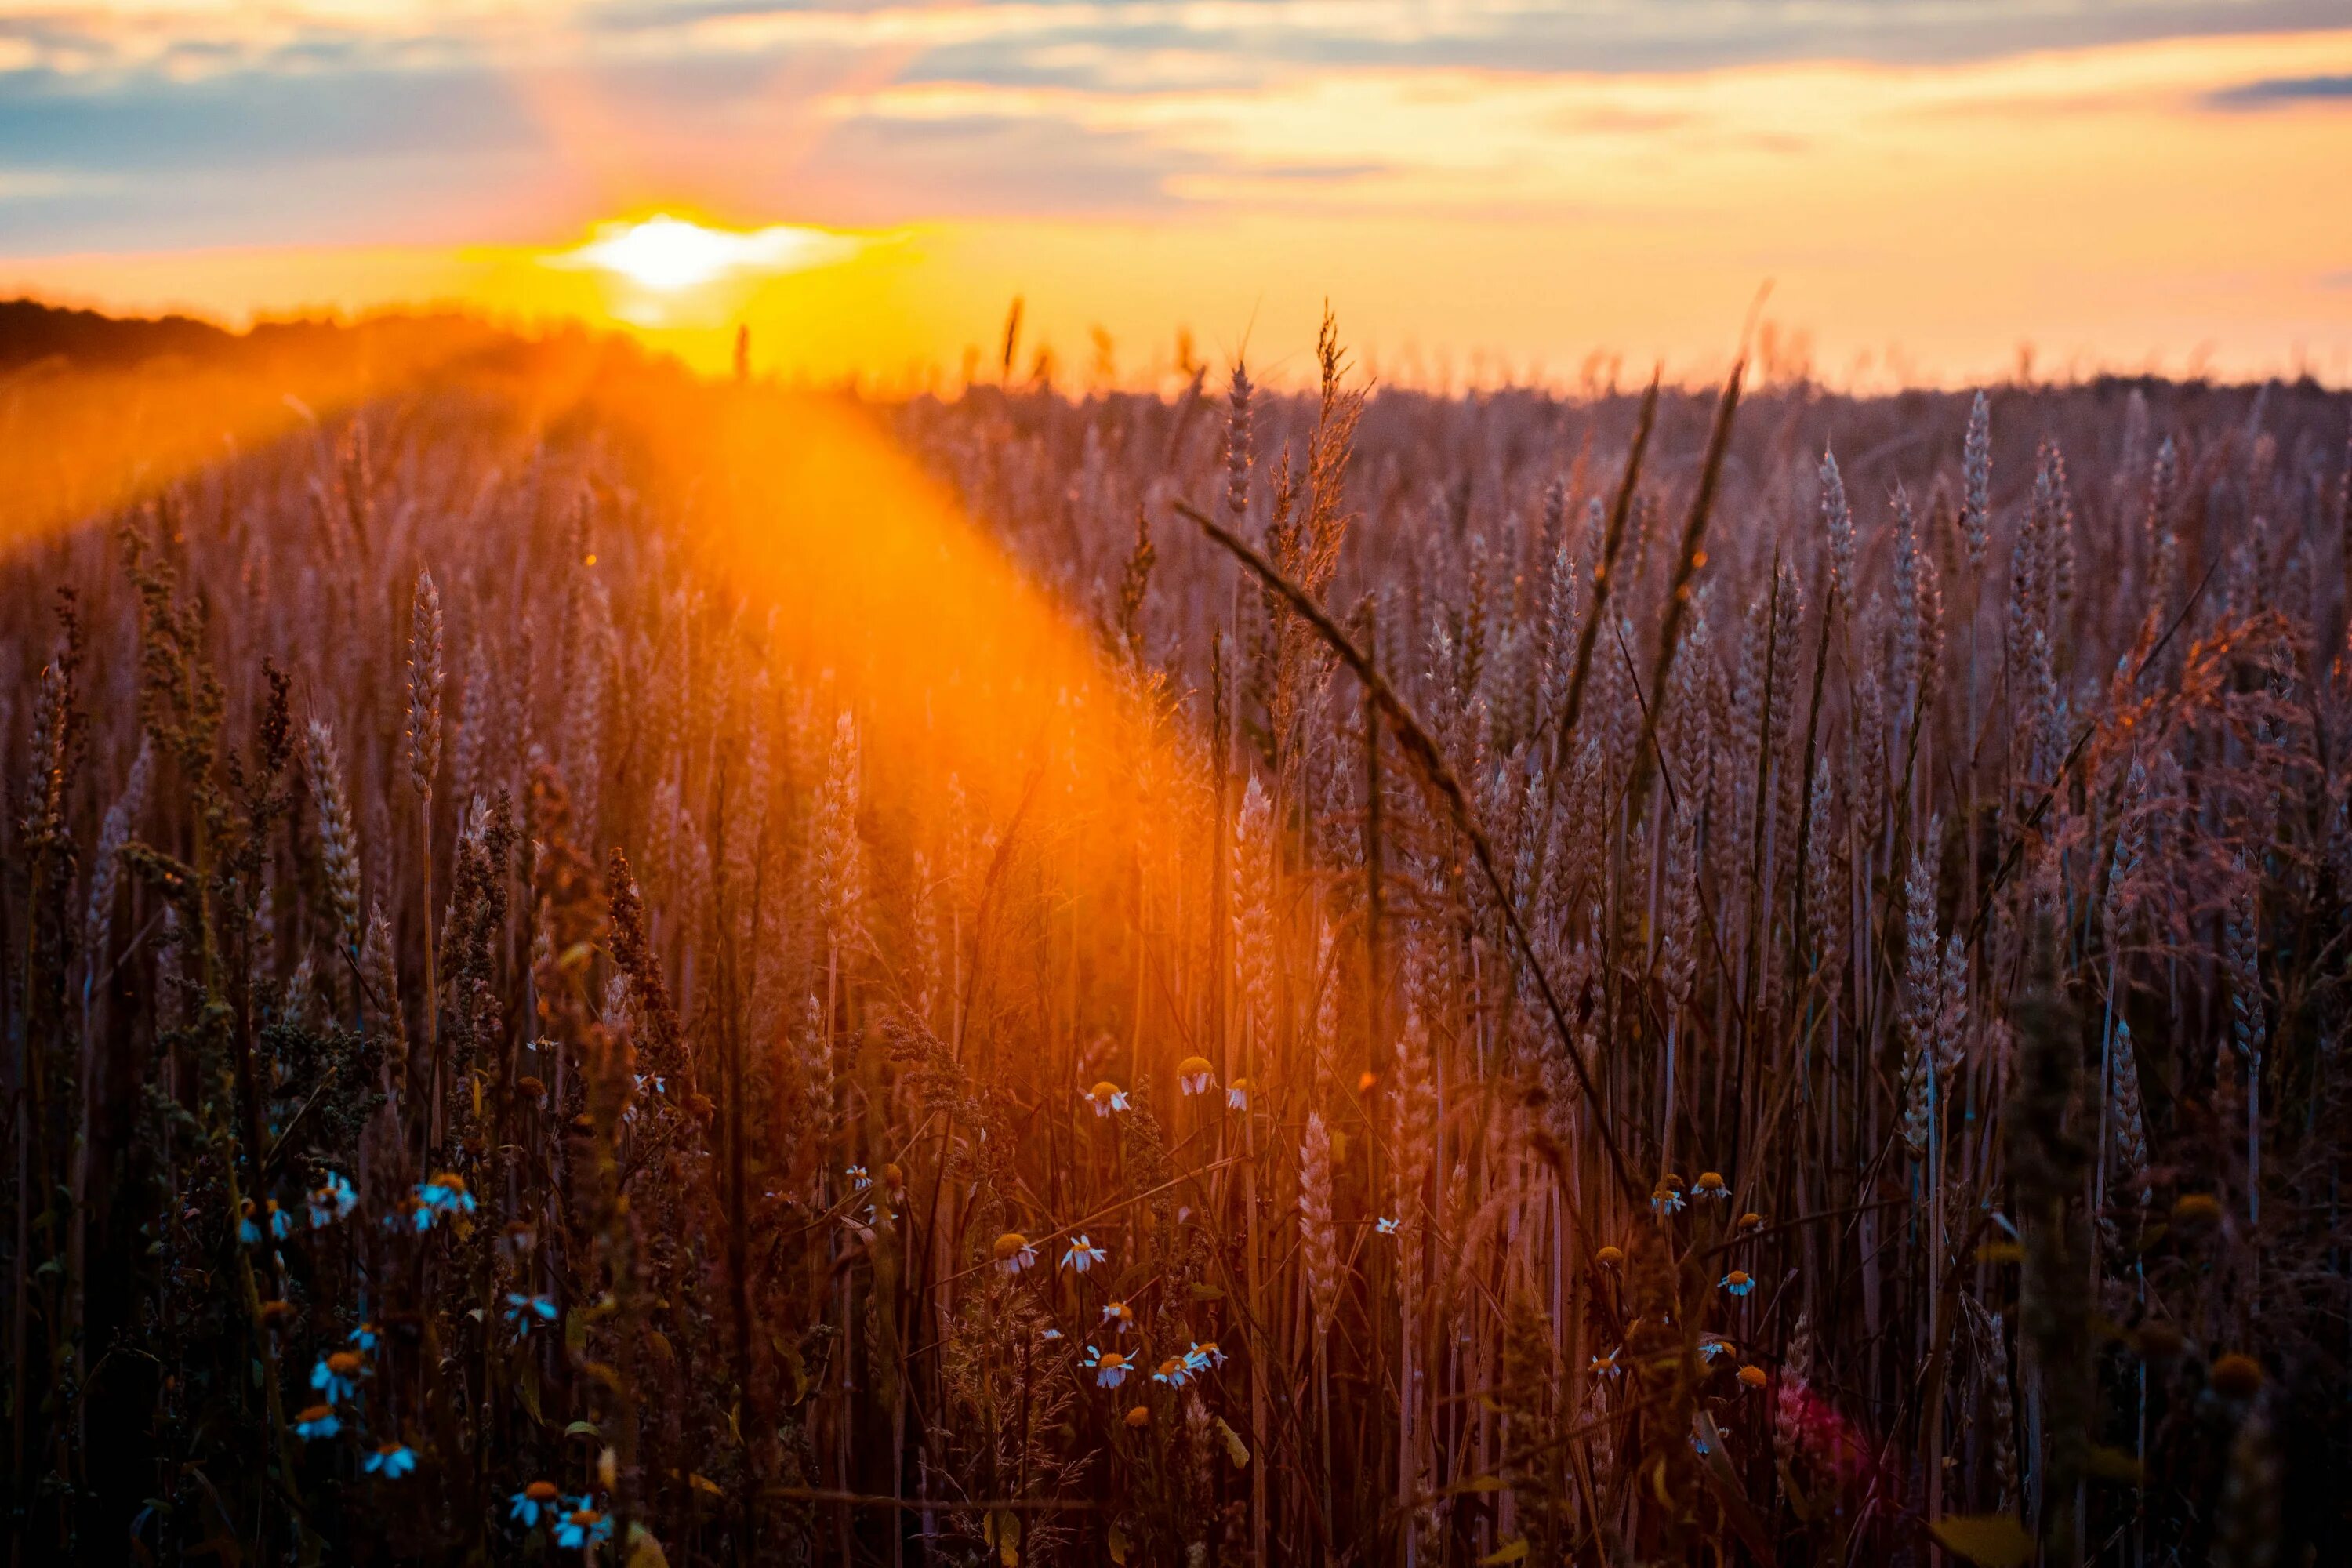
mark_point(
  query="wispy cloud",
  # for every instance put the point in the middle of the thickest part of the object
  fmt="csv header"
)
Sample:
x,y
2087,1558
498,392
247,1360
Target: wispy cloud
x,y
2275,90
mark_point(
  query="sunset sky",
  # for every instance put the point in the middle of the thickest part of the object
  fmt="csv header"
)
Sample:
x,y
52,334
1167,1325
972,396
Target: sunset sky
x,y
1481,188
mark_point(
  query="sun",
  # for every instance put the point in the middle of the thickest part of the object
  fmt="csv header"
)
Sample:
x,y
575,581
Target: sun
x,y
662,264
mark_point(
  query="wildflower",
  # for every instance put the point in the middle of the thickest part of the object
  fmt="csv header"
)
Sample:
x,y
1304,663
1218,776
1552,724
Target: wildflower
x,y
444,1193
334,1199
1667,1197
1050,1335
521,1237
364,1336
1710,1185
858,1179
1014,1252
1386,1225
1139,1416
1605,1365
2236,1376
1711,1346
391,1460
1203,1356
1366,1081
523,1309
1106,1096
1609,1257
582,1525
279,1223
338,1376
1194,1075
1082,1254
1109,1366
1698,1445
318,1421
1119,1314
1738,1282
1754,1376
1751,1222
271,1312
2196,1209
1237,1094
540,1496
1175,1372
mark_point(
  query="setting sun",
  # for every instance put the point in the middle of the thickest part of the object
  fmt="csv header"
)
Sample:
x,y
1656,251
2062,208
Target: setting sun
x,y
668,254
669,271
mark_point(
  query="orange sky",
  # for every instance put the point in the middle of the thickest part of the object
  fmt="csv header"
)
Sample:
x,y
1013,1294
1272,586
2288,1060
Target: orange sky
x,y
2169,203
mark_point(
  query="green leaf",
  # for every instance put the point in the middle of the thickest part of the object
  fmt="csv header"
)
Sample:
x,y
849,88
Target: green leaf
x,y
1987,1540
1235,1449
583,1429
1509,1551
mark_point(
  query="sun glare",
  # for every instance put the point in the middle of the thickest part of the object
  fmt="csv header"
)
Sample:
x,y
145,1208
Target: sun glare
x,y
669,255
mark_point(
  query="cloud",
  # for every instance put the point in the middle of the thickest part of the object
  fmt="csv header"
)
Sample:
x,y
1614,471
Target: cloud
x,y
324,121
2276,90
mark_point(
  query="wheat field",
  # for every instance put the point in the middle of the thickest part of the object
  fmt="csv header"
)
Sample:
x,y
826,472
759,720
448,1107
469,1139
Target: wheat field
x,y
602,964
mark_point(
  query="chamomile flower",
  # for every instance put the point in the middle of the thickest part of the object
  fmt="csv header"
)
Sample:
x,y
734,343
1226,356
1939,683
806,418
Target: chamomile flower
x,y
1014,1252
1710,1185
1118,1315
1237,1094
1738,1282
444,1193
583,1526
1106,1096
526,1310
338,1376
858,1180
364,1337
536,1498
1050,1335
1754,1376
332,1200
1387,1224
1195,1075
1711,1346
249,1227
1203,1356
317,1421
1082,1254
1174,1371
1605,1365
391,1460
1109,1367
1667,1197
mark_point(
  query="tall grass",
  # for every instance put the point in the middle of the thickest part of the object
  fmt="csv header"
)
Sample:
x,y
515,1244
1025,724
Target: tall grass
x,y
1800,1023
